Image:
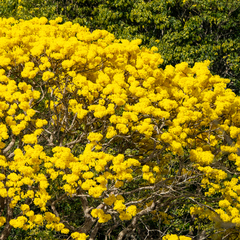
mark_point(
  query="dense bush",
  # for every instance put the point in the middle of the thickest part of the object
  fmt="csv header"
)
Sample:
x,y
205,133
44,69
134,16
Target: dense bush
x,y
188,30
96,139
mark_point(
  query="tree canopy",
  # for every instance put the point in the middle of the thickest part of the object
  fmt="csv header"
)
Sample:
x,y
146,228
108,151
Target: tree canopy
x,y
98,140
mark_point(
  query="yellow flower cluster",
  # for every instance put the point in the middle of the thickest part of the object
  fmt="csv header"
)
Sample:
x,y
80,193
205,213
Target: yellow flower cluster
x,y
99,213
125,213
95,137
30,220
147,175
175,237
2,221
201,157
79,236
19,222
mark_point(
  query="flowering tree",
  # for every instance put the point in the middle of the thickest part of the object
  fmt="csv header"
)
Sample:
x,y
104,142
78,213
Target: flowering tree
x,y
97,140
